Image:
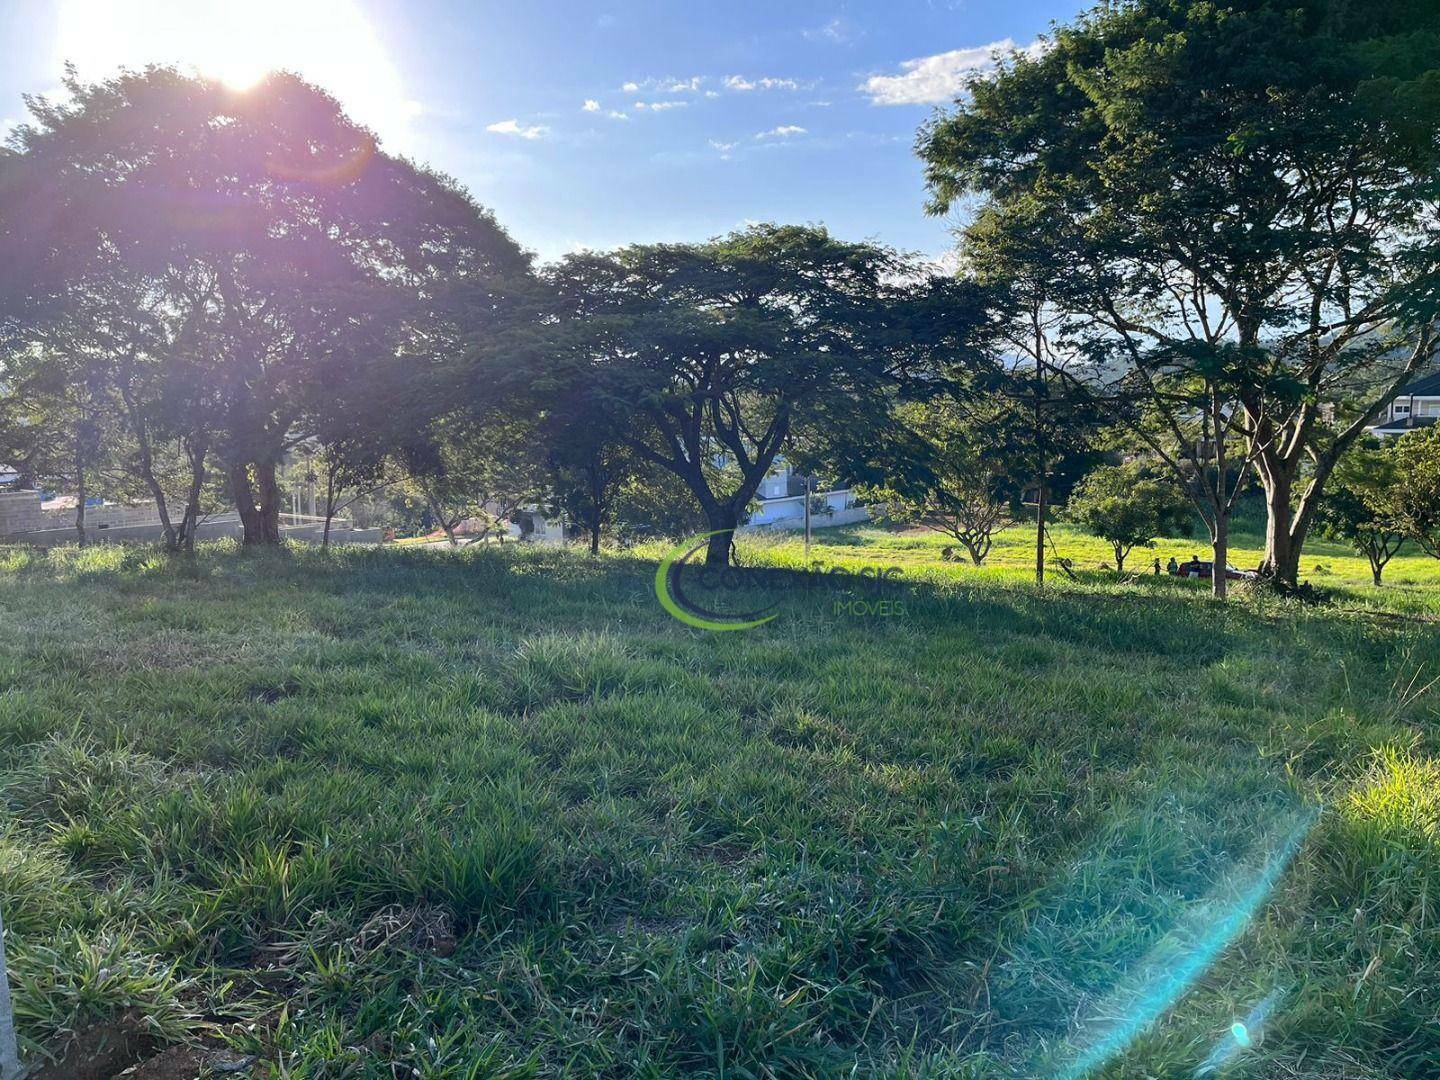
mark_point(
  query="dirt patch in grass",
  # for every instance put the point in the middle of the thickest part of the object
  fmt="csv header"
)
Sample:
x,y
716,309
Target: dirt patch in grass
x,y
100,1051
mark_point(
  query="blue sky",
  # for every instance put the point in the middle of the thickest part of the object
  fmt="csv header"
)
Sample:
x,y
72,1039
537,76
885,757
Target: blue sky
x,y
593,125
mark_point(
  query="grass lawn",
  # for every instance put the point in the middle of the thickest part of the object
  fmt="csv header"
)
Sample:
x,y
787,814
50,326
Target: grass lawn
x,y
495,813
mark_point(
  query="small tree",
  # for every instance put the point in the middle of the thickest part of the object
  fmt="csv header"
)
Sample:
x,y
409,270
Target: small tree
x,y
1128,506
589,457
1357,508
465,469
1412,501
964,505
953,476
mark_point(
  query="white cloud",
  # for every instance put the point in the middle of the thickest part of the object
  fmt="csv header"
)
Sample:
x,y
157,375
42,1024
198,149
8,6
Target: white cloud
x,y
668,85
514,127
591,105
616,114
660,106
938,79
739,82
838,31
723,147
784,131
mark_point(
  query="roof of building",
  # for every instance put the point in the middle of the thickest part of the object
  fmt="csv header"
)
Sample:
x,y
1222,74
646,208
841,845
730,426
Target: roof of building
x,y
1426,386
1402,424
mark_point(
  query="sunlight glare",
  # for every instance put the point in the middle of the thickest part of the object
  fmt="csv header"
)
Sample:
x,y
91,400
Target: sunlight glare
x,y
330,42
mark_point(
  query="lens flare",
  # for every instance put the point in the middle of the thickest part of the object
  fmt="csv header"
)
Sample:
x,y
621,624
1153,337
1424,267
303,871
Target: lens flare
x,y
1169,970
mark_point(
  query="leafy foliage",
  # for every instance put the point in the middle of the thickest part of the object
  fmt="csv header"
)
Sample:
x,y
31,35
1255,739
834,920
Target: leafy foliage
x,y
1130,506
1242,192
1364,504
722,350
1412,500
957,472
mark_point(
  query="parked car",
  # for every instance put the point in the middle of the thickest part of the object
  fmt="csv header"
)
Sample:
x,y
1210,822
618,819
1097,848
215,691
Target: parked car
x,y
1202,568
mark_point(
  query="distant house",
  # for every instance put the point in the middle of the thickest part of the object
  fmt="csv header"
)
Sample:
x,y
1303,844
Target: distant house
x,y
780,502
1416,406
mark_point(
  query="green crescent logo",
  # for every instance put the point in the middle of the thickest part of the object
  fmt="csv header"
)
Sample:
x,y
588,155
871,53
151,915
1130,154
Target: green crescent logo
x,y
673,599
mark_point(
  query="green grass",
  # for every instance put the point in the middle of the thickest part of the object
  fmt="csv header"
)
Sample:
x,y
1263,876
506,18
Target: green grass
x,y
494,813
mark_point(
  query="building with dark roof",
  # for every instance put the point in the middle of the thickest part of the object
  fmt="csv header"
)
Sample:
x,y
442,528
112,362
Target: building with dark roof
x,y
1415,406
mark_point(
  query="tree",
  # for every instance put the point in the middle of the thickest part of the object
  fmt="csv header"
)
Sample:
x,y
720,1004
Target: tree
x,y
655,503
1129,506
589,458
481,470
948,468
248,260
1412,501
721,350
587,475
1360,503
1246,186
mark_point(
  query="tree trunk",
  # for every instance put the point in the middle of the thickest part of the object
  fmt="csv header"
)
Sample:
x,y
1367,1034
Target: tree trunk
x,y
595,535
439,514
329,507
723,522
244,496
146,461
269,492
1041,499
1282,553
79,497
162,508
1119,559
1375,571
1219,582
191,521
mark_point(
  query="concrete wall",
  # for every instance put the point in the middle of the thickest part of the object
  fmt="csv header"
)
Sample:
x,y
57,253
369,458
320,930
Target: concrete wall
x,y
20,512
214,529
224,527
789,512
847,516
109,514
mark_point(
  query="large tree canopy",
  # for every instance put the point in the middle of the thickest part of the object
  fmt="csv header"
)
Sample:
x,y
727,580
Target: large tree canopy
x,y
726,350
242,269
1244,178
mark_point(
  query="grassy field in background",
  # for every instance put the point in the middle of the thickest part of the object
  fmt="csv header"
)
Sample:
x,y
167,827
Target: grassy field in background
x,y
495,813
1411,580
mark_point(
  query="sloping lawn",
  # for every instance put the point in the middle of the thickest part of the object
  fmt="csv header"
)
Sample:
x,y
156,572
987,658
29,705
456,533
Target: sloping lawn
x,y
492,813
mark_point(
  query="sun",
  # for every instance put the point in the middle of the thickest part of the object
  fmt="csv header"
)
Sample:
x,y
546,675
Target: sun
x,y
330,42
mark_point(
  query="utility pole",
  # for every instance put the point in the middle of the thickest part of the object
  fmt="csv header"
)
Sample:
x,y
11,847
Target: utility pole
x,y
1043,466
807,519
9,1052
